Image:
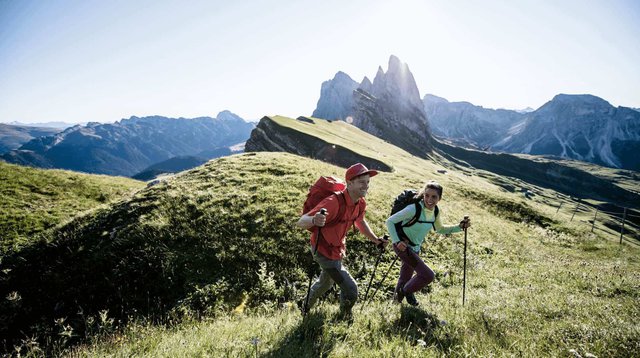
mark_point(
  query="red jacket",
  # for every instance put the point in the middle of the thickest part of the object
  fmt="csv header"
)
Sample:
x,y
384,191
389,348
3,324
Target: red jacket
x,y
333,245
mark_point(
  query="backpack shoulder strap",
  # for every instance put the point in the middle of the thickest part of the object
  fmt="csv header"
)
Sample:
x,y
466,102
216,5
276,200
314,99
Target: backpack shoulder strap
x,y
342,206
416,216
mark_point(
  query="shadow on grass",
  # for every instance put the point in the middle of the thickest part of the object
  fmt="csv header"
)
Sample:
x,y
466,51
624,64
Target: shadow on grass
x,y
304,340
415,324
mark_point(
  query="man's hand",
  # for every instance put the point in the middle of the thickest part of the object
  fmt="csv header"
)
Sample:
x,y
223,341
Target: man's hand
x,y
382,242
320,218
402,246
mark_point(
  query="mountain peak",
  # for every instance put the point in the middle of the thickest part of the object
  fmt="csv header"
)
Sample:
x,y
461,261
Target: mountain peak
x,y
229,116
366,84
580,99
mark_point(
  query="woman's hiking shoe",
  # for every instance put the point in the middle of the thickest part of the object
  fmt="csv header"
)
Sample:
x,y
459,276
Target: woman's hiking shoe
x,y
411,299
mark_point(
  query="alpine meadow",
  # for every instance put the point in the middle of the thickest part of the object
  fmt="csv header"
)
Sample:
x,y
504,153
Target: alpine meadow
x,y
210,263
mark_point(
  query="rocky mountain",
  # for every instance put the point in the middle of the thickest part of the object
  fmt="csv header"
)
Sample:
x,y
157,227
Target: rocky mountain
x,y
581,127
131,145
13,136
469,125
336,100
389,107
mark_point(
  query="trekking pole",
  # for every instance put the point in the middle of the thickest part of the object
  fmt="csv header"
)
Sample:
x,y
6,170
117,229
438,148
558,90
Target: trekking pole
x,y
323,211
384,278
464,275
374,271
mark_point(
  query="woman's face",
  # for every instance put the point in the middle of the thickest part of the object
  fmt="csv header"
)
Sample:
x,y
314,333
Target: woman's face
x,y
431,198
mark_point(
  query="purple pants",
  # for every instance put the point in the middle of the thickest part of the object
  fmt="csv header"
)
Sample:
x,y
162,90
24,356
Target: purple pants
x,y
411,262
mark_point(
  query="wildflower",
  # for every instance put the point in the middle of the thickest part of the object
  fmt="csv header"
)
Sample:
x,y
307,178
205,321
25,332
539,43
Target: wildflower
x,y
421,343
14,296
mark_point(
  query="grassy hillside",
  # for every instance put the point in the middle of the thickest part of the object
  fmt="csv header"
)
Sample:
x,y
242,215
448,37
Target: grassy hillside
x,y
33,200
185,253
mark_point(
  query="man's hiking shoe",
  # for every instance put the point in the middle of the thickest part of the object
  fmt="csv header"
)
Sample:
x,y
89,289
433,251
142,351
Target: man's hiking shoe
x,y
411,299
398,296
345,314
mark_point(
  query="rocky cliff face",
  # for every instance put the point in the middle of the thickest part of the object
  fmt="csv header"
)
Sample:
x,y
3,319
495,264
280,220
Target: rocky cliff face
x,y
131,145
336,100
271,137
389,107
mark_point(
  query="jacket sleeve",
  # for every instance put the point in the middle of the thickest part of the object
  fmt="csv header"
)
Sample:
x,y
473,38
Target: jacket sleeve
x,y
441,229
407,213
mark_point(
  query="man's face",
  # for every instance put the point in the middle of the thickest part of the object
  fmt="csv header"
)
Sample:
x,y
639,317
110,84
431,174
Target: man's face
x,y
359,186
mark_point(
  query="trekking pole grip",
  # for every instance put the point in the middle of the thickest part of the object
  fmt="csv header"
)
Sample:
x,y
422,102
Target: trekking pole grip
x,y
323,211
385,237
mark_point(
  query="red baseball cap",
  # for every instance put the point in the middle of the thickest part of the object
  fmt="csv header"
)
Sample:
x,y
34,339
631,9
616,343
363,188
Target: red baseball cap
x,y
357,170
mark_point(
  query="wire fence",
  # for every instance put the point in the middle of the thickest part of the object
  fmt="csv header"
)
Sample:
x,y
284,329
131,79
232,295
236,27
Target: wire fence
x,y
627,219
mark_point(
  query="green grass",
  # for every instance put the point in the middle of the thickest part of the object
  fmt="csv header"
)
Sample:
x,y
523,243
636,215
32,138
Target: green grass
x,y
167,267
33,200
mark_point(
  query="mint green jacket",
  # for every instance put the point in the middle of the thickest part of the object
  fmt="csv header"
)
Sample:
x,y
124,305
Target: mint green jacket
x,y
418,231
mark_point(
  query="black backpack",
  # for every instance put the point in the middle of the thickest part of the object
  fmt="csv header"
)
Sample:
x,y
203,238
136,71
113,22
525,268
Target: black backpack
x,y
410,197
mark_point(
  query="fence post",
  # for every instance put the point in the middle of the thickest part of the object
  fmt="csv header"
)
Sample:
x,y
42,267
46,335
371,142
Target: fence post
x,y
594,219
574,212
559,207
624,218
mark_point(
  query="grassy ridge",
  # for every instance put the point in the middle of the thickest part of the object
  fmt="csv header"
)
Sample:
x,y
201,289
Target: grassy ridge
x,y
532,290
198,242
33,200
222,236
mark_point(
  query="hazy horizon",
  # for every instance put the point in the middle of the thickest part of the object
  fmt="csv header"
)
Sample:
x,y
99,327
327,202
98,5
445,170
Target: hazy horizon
x,y
93,61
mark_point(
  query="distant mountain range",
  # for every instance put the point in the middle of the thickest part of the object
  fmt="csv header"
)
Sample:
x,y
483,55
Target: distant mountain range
x,y
13,136
581,127
131,145
181,163
57,125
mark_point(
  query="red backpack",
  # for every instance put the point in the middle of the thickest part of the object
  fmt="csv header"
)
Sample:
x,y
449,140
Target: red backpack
x,y
324,187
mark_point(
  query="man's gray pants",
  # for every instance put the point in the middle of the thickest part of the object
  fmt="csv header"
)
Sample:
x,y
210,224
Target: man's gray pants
x,y
333,271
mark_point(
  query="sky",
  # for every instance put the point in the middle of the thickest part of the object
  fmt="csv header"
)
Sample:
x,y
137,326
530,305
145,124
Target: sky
x,y
90,60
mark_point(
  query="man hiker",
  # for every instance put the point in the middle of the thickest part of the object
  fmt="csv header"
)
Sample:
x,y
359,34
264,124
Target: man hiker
x,y
329,234
408,229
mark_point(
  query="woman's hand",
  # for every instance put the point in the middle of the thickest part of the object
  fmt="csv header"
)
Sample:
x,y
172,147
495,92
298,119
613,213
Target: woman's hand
x,y
401,246
465,223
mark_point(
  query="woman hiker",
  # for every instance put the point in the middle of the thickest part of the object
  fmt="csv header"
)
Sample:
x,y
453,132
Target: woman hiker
x,y
408,239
